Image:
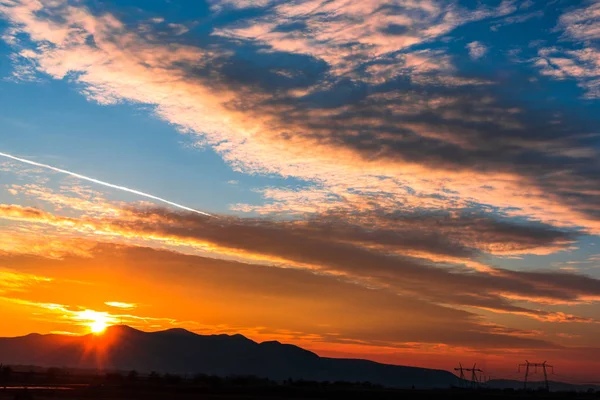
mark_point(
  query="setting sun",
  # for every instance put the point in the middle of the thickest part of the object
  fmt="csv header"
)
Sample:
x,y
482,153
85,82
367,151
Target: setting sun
x,y
98,326
96,321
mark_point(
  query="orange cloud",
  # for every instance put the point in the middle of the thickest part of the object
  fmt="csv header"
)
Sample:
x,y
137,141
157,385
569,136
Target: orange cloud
x,y
14,281
330,249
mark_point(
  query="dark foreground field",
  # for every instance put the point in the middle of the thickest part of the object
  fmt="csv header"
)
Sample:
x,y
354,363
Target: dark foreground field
x,y
29,383
167,392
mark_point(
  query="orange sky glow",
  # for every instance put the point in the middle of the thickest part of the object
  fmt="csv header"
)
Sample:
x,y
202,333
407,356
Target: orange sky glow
x,y
414,183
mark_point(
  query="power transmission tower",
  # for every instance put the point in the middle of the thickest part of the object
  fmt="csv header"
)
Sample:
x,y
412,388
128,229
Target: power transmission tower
x,y
461,369
544,366
474,380
462,373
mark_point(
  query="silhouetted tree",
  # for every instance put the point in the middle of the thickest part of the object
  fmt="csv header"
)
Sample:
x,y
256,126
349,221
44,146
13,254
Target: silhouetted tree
x,y
5,374
154,377
24,395
132,376
208,380
114,377
172,379
29,375
53,373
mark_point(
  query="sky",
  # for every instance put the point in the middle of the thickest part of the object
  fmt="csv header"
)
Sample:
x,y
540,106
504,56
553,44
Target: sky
x,y
411,182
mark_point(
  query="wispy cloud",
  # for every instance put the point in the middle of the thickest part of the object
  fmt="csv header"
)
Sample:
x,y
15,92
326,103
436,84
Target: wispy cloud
x,y
582,63
323,29
476,50
422,146
15,281
342,250
121,305
262,320
582,23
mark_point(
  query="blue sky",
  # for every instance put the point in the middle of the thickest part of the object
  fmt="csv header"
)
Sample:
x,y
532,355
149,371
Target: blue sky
x,y
165,161
418,148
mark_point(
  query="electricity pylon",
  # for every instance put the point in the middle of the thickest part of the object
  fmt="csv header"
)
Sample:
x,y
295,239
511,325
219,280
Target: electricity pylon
x,y
461,369
473,371
474,380
536,365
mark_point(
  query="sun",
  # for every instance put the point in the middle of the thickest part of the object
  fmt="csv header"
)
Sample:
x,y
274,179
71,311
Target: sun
x,y
98,326
97,322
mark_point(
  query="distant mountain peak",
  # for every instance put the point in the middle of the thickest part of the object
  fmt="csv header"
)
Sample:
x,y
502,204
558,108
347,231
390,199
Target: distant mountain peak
x,y
122,329
177,331
271,342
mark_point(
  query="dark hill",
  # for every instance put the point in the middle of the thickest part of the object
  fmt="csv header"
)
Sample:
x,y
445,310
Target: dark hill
x,y
181,351
534,385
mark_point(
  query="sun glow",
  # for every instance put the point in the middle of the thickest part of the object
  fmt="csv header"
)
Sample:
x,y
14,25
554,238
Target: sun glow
x,y
96,321
98,326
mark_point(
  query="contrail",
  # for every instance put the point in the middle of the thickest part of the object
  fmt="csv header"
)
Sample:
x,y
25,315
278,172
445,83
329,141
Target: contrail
x,y
99,182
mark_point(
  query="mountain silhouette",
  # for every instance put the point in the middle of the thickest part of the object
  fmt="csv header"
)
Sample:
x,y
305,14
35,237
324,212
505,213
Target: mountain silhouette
x,y
183,352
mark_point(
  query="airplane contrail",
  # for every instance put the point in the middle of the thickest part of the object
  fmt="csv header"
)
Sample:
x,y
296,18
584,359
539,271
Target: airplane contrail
x,y
99,182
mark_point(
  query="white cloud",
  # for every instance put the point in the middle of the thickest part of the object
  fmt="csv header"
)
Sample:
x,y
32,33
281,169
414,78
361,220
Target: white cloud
x,y
367,27
581,27
582,65
121,305
476,50
179,29
582,23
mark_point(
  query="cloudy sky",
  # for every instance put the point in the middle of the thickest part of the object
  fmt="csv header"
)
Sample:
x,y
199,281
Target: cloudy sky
x,y
413,182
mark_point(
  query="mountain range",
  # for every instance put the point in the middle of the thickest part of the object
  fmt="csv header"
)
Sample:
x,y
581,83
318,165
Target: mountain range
x,y
178,351
183,352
